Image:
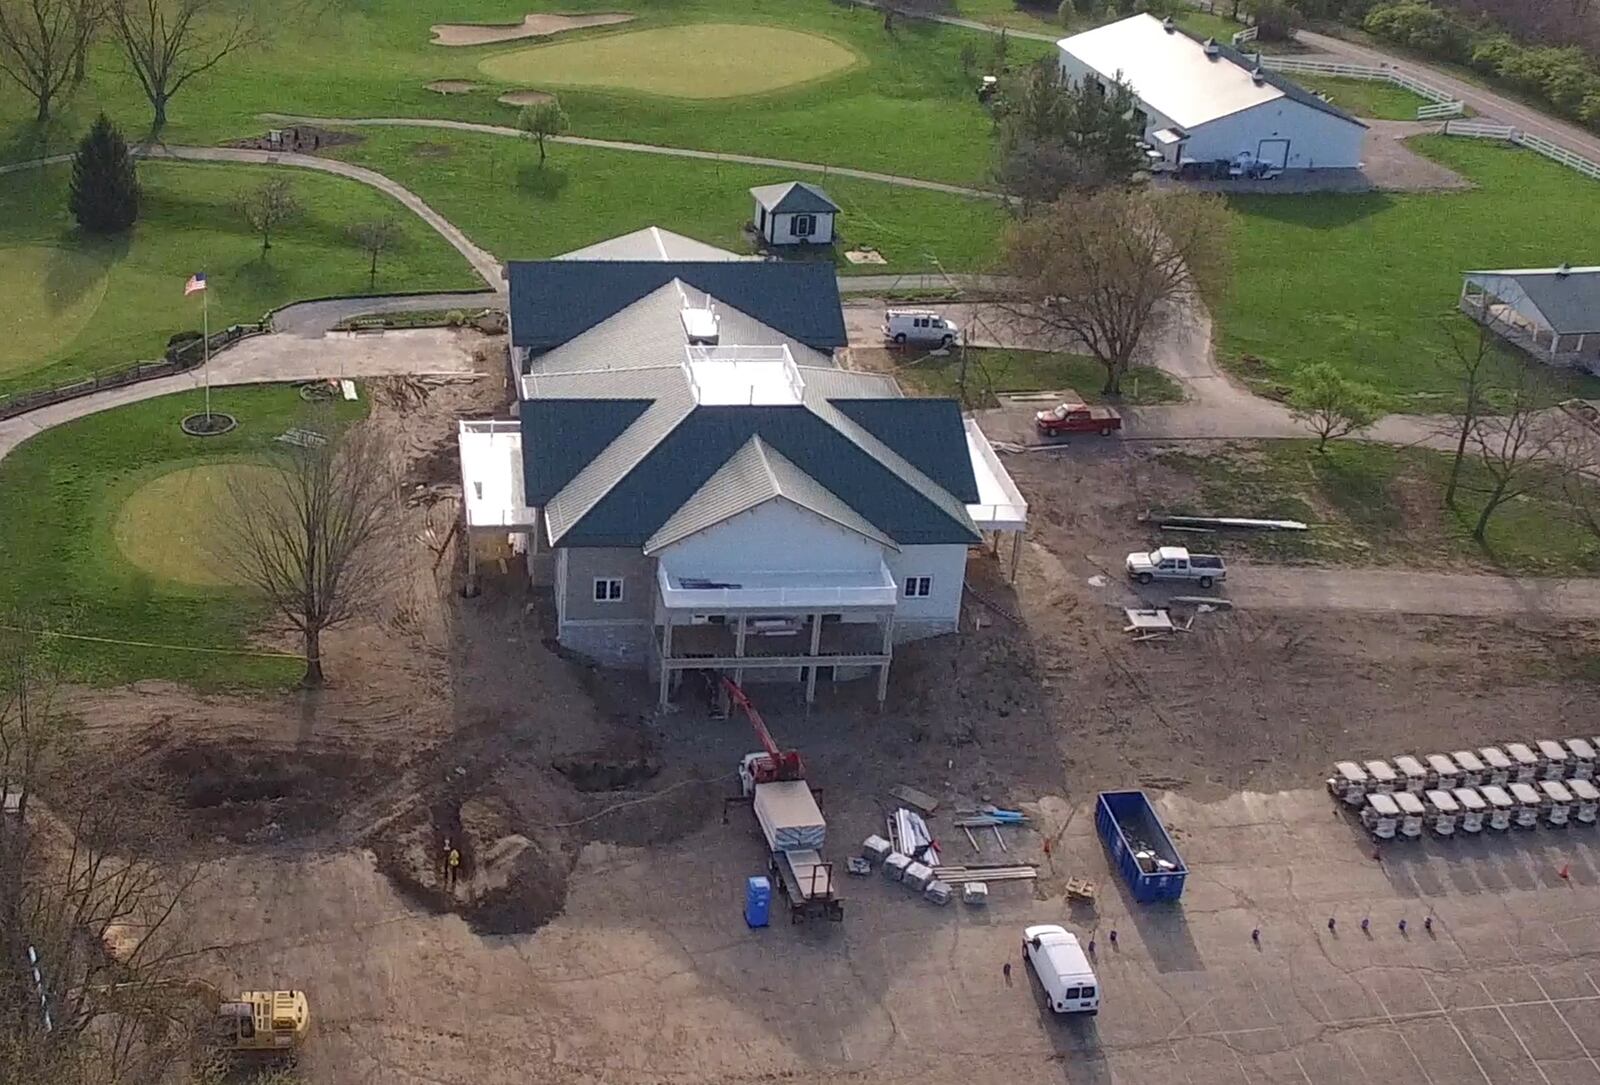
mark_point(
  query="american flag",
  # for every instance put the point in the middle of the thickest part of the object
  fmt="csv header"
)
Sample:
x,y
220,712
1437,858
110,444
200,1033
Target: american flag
x,y
196,282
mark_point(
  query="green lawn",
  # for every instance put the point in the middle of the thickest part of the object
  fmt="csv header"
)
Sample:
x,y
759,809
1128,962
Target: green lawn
x,y
71,306
1376,504
1365,97
702,60
1038,17
1364,281
906,107
494,189
66,493
991,370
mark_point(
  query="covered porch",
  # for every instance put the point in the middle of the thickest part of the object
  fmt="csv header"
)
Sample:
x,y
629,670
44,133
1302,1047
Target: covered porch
x,y
1001,509
499,530
1552,314
768,622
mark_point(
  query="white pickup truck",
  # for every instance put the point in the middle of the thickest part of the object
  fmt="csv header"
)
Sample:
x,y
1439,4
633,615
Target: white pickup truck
x,y
1176,563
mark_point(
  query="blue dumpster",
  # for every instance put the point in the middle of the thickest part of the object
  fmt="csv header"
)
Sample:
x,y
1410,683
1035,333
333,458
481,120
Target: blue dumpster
x,y
1128,823
757,901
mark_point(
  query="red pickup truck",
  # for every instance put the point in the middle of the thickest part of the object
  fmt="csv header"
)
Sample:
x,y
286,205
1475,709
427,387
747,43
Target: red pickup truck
x,y
1067,418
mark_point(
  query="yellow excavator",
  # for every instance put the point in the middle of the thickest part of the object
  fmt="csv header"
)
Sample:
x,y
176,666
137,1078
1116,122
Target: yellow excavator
x,y
262,1024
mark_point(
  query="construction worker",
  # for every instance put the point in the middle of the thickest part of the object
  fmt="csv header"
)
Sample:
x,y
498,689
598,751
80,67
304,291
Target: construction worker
x,y
453,865
444,859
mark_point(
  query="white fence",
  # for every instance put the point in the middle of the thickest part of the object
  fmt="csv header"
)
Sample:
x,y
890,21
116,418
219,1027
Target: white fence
x,y
1536,144
1248,34
1443,104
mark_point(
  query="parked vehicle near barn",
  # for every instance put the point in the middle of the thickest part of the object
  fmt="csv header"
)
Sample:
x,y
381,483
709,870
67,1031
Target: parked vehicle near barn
x,y
1176,563
1065,418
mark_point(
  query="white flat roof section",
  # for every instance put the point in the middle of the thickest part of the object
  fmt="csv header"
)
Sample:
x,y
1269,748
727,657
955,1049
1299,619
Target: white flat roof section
x,y
1169,71
735,376
491,474
1001,506
778,592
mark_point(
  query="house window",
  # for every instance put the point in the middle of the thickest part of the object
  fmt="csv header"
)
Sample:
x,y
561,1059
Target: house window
x,y
608,589
919,587
805,225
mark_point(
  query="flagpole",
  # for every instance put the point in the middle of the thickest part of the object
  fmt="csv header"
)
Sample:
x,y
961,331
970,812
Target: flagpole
x,y
205,365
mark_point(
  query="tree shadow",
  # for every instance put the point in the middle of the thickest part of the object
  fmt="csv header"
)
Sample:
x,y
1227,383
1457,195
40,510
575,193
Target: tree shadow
x,y
70,274
543,181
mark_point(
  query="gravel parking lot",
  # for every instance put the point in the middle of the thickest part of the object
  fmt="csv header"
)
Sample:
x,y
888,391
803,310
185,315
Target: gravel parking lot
x,y
651,975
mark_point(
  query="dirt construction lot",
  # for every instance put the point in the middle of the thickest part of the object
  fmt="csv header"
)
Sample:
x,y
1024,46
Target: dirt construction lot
x,y
596,934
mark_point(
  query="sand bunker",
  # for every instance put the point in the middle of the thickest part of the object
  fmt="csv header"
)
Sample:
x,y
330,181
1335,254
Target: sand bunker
x,y
452,86
532,26
525,97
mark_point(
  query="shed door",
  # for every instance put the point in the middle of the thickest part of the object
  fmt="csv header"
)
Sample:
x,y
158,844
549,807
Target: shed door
x,y
1273,152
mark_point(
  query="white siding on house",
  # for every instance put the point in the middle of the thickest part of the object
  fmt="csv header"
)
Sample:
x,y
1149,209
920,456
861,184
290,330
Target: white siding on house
x,y
779,229
1317,140
775,536
940,611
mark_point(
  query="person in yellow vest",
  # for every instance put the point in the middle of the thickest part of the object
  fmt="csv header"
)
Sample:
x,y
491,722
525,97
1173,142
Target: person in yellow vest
x,y
453,867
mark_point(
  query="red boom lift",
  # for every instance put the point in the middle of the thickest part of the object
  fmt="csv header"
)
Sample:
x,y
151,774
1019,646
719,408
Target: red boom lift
x,y
774,764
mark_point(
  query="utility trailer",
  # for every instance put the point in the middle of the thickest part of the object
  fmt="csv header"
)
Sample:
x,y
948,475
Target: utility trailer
x,y
773,783
795,832
1140,848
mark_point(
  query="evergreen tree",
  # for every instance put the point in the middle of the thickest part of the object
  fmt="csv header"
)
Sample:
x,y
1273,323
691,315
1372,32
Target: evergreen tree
x,y
105,184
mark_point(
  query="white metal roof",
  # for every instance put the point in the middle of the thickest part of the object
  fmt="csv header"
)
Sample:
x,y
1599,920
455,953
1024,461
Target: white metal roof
x,y
1001,506
491,474
1169,71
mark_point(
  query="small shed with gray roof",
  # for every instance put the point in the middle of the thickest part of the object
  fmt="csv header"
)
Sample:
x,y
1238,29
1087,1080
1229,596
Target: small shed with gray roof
x,y
793,213
1552,313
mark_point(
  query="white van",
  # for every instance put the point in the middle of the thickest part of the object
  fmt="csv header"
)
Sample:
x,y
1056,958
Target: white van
x,y
1063,969
919,326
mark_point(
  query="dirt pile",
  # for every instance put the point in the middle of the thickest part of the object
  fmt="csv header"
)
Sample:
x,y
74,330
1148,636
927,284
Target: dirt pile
x,y
298,139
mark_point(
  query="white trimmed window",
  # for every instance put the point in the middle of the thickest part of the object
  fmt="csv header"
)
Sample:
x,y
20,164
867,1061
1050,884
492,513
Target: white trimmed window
x,y
805,225
608,589
919,587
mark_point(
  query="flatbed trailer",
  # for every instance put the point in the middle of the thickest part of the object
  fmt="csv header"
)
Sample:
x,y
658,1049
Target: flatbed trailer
x,y
806,882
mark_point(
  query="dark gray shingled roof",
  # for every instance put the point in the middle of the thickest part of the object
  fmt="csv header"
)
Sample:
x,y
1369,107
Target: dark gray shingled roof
x,y
793,197
753,476
1568,298
553,301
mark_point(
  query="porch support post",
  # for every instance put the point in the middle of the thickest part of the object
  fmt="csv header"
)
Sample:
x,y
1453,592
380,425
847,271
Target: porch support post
x,y
816,646
738,651
666,654
883,668
1016,551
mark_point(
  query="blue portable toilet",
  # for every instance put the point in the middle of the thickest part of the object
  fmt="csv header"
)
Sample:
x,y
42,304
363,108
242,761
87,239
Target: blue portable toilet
x,y
757,901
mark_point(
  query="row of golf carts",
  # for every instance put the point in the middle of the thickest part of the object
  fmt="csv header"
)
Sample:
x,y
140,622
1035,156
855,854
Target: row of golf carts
x,y
1494,788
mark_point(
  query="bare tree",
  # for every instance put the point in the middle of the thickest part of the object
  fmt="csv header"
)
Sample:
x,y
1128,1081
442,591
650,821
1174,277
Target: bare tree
x,y
268,206
1470,364
315,534
376,236
169,42
1099,271
84,896
42,45
1525,448
1331,405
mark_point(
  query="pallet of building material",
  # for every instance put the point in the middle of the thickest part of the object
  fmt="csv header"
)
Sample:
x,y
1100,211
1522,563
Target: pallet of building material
x,y
920,800
986,874
917,876
937,892
875,849
894,866
1080,889
975,893
858,866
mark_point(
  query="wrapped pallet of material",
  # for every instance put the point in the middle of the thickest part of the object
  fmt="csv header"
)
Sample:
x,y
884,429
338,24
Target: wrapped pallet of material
x,y
975,893
894,866
918,875
875,849
938,892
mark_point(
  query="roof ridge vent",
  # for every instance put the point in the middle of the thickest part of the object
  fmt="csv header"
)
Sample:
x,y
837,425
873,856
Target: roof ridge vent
x,y
1213,50
1169,26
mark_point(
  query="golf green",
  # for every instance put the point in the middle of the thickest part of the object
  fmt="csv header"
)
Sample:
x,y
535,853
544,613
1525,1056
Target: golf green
x,y
703,60
47,294
169,527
